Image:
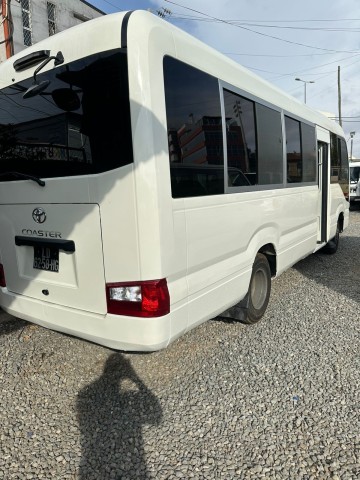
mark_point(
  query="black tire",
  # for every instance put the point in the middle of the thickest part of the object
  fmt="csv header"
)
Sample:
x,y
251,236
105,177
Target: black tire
x,y
331,247
259,289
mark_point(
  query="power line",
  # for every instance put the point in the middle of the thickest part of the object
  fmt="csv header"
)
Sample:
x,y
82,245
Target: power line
x,y
263,25
286,41
276,21
260,33
287,74
319,66
332,87
277,56
291,21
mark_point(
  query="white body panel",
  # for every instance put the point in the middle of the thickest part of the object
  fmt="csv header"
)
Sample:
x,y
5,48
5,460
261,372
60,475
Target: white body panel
x,y
205,246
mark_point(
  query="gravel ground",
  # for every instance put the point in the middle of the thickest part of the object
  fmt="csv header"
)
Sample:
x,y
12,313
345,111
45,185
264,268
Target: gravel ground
x,y
277,400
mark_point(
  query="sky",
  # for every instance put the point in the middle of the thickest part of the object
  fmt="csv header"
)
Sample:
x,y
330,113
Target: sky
x,y
280,40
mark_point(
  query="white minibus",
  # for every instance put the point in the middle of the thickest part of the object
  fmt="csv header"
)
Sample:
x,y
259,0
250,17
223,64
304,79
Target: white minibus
x,y
354,182
149,183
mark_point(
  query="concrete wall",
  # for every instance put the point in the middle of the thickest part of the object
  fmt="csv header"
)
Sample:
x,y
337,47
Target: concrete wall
x,y
68,14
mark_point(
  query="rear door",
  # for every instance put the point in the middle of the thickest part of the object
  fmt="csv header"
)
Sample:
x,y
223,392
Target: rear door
x,y
323,153
53,253
323,149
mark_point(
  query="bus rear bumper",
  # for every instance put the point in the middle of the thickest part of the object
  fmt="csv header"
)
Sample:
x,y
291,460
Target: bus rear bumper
x,y
113,331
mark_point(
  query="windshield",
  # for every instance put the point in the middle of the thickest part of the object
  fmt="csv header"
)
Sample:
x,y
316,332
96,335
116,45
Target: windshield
x,y
354,174
78,124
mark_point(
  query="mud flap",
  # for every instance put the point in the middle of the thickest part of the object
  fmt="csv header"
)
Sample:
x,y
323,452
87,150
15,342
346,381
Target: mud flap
x,y
239,311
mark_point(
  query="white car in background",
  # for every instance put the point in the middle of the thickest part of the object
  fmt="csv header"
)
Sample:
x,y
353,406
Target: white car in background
x,y
354,182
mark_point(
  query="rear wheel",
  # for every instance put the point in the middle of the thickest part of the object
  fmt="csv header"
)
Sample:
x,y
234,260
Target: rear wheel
x,y
259,289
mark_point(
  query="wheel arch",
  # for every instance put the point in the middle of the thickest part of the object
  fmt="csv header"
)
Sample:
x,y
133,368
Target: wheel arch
x,y
265,240
341,221
270,253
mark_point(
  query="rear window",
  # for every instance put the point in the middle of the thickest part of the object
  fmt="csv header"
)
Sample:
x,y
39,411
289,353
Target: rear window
x,y
78,125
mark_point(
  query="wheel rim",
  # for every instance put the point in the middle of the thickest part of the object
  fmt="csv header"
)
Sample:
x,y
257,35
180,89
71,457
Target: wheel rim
x,y
258,289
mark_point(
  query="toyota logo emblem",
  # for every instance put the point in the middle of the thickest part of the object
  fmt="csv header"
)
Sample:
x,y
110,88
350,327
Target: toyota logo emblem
x,y
39,215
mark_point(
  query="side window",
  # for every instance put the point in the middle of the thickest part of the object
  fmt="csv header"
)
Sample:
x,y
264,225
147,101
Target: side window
x,y
334,159
344,167
300,152
308,141
270,146
339,172
194,130
339,168
241,140
293,151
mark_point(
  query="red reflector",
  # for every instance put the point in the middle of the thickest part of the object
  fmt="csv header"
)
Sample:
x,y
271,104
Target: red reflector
x,y
2,276
153,301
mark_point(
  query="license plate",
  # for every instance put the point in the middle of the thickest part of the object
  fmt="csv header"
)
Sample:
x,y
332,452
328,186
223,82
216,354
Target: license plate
x,y
46,258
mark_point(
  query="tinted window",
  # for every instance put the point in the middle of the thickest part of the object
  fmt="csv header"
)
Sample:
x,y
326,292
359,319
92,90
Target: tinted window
x,y
78,124
339,162
241,136
293,150
334,159
308,140
344,166
270,146
194,130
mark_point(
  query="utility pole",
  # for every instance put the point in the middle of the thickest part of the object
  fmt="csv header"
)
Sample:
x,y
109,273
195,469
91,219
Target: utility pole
x,y
352,134
339,97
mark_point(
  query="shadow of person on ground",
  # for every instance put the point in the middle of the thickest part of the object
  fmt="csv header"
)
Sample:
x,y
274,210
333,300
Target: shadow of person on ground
x,y
111,413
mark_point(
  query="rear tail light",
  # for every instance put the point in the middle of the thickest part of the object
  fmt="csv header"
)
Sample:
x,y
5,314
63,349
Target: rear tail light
x,y
2,276
138,299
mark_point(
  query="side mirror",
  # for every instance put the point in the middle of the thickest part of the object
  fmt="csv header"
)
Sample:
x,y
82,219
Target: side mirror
x,y
66,99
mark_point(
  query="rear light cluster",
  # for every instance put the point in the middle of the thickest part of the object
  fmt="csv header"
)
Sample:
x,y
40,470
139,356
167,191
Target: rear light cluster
x,y
138,299
2,276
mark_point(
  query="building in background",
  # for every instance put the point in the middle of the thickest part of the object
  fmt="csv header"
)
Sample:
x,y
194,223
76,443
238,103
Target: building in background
x,y
25,22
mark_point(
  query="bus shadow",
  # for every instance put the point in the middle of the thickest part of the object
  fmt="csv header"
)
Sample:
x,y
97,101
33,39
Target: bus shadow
x,y
111,413
9,324
339,272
